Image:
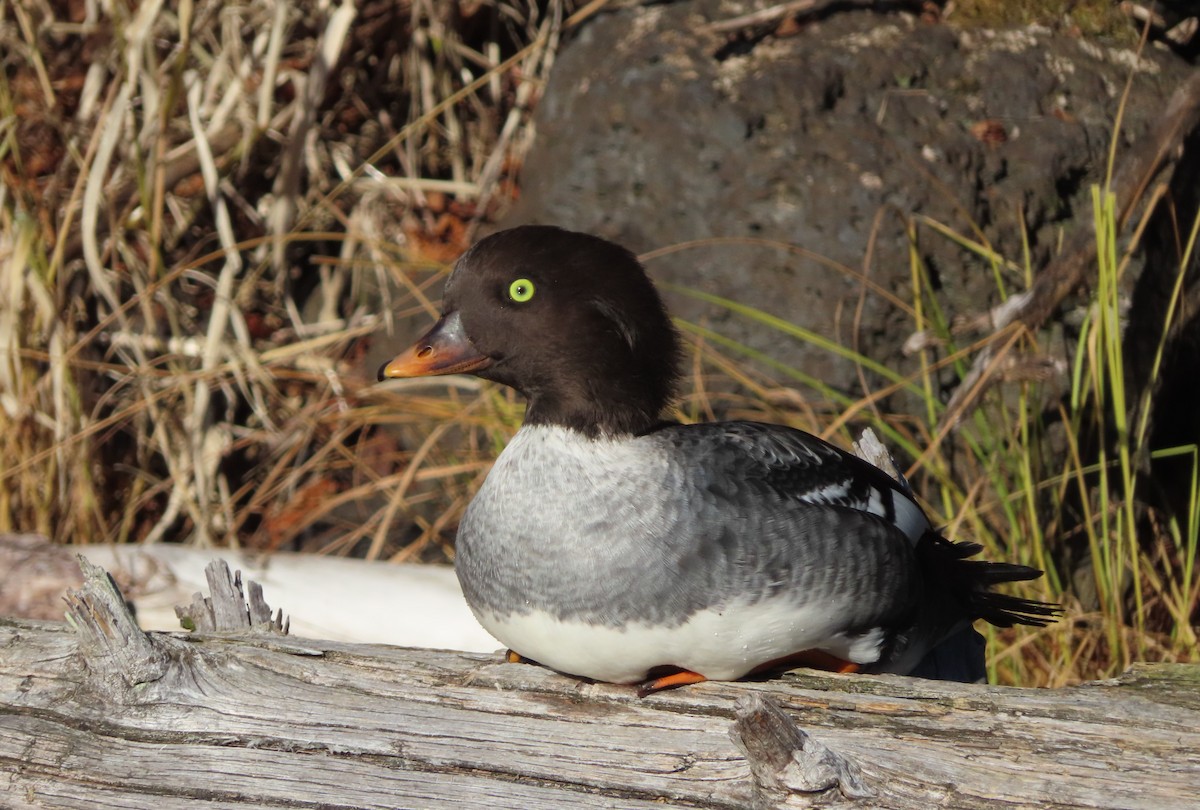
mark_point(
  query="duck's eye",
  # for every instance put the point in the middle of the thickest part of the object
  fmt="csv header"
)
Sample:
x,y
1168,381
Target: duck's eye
x,y
521,290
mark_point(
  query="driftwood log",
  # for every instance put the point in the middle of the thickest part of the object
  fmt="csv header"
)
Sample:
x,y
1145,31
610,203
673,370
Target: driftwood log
x,y
97,714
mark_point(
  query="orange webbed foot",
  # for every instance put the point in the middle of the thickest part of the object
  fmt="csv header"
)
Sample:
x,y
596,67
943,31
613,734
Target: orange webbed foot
x,y
681,677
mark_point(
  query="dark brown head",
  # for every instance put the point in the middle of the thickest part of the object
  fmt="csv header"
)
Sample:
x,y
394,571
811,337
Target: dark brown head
x,y
569,320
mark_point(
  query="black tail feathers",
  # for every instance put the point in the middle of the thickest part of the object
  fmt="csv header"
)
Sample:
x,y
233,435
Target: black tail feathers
x,y
972,582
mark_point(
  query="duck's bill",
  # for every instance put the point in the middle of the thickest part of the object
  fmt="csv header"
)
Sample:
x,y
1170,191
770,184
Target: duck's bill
x,y
444,349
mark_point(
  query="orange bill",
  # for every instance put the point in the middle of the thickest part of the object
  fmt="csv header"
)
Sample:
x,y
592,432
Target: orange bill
x,y
444,349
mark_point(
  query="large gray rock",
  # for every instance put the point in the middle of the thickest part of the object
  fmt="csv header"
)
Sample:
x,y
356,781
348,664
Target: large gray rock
x,y
654,130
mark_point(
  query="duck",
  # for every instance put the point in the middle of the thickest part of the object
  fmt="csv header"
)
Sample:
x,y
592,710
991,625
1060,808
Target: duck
x,y
610,543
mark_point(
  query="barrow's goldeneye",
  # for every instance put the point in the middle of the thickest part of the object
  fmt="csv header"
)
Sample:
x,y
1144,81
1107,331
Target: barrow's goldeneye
x,y
610,544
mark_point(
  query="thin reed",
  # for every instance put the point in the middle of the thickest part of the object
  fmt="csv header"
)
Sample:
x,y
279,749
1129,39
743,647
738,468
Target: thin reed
x,y
209,210
202,207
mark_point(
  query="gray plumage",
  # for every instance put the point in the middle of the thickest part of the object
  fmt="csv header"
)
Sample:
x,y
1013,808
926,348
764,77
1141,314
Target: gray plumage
x,y
658,527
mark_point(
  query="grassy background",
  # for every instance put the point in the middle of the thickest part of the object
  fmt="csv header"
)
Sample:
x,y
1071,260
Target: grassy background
x,y
203,206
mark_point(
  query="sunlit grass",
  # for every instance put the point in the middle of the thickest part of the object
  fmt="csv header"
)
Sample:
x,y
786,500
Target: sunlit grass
x,y
142,397
160,377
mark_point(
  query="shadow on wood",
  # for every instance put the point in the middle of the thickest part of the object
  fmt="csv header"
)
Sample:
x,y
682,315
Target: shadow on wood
x,y
99,714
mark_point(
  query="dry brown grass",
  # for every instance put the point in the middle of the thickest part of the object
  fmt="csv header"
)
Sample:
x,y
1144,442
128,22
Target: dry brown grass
x,y
199,208
201,211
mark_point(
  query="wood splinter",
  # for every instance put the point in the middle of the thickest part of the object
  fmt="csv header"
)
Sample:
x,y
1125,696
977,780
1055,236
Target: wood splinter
x,y
230,608
785,759
121,654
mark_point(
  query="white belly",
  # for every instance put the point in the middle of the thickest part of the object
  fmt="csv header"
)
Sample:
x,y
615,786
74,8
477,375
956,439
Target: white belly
x,y
720,646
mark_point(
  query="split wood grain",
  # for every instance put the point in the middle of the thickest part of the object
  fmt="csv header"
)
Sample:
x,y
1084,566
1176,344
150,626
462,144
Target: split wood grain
x,y
261,720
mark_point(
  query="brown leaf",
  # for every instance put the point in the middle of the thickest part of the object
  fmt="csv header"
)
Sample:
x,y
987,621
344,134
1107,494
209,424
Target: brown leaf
x,y
990,131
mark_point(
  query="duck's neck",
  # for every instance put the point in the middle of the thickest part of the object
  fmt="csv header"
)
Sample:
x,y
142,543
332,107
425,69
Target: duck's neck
x,y
611,414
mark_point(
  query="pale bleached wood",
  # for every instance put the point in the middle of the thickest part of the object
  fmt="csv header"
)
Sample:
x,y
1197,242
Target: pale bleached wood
x,y
783,758
262,720
228,608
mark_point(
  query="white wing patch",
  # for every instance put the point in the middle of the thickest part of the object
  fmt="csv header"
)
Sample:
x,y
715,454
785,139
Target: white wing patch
x,y
830,493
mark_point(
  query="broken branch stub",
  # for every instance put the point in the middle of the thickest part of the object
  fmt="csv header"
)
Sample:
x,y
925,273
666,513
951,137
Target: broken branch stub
x,y
785,759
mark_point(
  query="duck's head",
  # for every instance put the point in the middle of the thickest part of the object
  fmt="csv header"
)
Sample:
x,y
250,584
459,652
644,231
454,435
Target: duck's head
x,y
569,320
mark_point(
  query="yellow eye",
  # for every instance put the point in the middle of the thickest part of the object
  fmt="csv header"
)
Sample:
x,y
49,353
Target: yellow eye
x,y
521,290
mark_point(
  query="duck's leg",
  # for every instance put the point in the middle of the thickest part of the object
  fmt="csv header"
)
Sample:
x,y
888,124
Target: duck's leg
x,y
514,657
813,659
680,677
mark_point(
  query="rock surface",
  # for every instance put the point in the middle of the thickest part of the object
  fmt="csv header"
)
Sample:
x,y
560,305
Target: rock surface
x,y
655,130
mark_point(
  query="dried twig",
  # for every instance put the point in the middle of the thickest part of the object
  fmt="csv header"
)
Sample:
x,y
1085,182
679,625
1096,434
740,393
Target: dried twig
x,y
774,15
202,166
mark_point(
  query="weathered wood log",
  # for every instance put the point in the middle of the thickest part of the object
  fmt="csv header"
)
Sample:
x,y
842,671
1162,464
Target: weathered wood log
x,y
99,714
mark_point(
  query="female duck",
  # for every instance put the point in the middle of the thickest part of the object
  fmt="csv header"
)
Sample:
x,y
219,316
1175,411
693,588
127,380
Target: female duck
x,y
609,544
